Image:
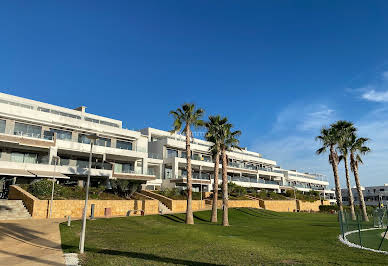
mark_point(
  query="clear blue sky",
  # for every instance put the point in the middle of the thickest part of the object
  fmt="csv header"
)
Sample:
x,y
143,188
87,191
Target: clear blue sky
x,y
278,69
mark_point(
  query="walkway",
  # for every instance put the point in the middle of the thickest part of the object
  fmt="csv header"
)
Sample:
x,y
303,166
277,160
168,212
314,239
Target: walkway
x,y
30,242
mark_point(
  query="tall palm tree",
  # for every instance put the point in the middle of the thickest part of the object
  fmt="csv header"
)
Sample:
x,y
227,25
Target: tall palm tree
x,y
357,149
329,140
228,141
184,118
214,133
345,130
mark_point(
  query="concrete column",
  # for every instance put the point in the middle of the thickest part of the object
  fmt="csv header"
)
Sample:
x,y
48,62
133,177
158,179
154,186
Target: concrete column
x,y
175,168
81,183
113,143
52,152
74,136
145,166
9,126
161,171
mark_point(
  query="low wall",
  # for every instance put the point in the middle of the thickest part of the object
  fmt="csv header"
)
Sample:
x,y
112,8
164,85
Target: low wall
x,y
311,206
278,205
62,208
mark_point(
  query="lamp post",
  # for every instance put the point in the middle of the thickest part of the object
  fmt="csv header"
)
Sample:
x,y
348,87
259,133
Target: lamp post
x,y
56,159
92,138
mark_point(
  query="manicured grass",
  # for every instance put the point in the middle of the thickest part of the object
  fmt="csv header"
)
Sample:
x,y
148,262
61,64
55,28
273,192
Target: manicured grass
x,y
254,237
370,239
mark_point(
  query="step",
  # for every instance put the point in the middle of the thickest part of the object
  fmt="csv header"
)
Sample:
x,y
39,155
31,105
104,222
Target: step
x,y
13,209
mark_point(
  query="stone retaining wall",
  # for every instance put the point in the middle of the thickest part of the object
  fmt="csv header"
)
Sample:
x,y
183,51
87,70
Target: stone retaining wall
x,y
62,208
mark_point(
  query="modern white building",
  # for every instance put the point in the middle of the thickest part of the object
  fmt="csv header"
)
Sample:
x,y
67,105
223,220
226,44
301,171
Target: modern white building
x,y
167,153
33,135
372,195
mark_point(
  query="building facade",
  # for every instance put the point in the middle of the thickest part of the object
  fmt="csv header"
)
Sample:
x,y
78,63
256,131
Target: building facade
x,y
373,196
167,153
39,140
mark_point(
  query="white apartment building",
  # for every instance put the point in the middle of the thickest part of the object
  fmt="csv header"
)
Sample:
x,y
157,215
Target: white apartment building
x,y
167,153
372,195
33,133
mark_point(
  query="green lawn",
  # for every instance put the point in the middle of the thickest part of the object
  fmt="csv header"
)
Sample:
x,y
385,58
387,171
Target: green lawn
x,y
369,239
254,237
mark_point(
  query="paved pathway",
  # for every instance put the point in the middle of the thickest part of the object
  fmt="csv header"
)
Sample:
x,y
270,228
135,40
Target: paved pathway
x,y
30,242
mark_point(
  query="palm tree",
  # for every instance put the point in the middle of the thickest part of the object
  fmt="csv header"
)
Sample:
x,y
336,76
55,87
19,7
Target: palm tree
x,y
345,130
329,140
184,118
228,141
357,149
214,133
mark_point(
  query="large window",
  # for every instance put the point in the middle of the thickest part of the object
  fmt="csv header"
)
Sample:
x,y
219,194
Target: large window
x,y
124,145
103,142
172,153
61,134
2,126
124,167
27,130
83,139
24,157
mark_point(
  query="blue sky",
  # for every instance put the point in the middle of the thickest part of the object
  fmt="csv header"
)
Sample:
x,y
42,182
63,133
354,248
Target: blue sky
x,y
279,70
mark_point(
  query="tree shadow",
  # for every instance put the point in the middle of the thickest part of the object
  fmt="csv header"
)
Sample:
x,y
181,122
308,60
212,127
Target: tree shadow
x,y
173,218
200,219
4,207
21,233
33,259
149,257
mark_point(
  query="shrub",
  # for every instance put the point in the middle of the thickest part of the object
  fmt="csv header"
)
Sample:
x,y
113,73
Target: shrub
x,y
328,208
42,190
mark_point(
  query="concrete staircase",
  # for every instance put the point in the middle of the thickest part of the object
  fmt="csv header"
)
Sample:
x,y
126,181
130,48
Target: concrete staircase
x,y
13,210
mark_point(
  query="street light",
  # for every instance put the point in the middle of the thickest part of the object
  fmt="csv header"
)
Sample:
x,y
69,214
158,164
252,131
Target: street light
x,y
56,159
92,138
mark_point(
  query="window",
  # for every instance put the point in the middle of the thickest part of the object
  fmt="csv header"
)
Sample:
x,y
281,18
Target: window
x,y
123,145
2,126
103,142
92,120
171,153
24,157
27,130
123,167
61,134
83,139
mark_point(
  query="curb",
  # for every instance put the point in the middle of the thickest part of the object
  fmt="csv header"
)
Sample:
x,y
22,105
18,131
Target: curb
x,y
350,244
71,259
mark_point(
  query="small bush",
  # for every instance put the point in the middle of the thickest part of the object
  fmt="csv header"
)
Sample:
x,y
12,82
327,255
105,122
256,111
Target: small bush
x,y
42,190
328,208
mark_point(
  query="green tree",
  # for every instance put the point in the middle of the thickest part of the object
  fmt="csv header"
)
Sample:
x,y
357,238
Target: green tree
x,y
214,134
345,130
329,139
229,141
357,148
185,117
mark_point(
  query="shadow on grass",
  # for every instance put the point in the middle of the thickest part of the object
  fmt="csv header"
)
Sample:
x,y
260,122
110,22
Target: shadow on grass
x,y
144,256
173,218
259,214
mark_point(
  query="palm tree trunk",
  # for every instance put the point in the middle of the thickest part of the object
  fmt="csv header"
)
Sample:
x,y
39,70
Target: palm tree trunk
x,y
350,193
189,210
334,164
215,186
359,190
225,216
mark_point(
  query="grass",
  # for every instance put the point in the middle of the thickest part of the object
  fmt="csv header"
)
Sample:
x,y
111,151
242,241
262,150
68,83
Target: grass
x,y
369,239
255,237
